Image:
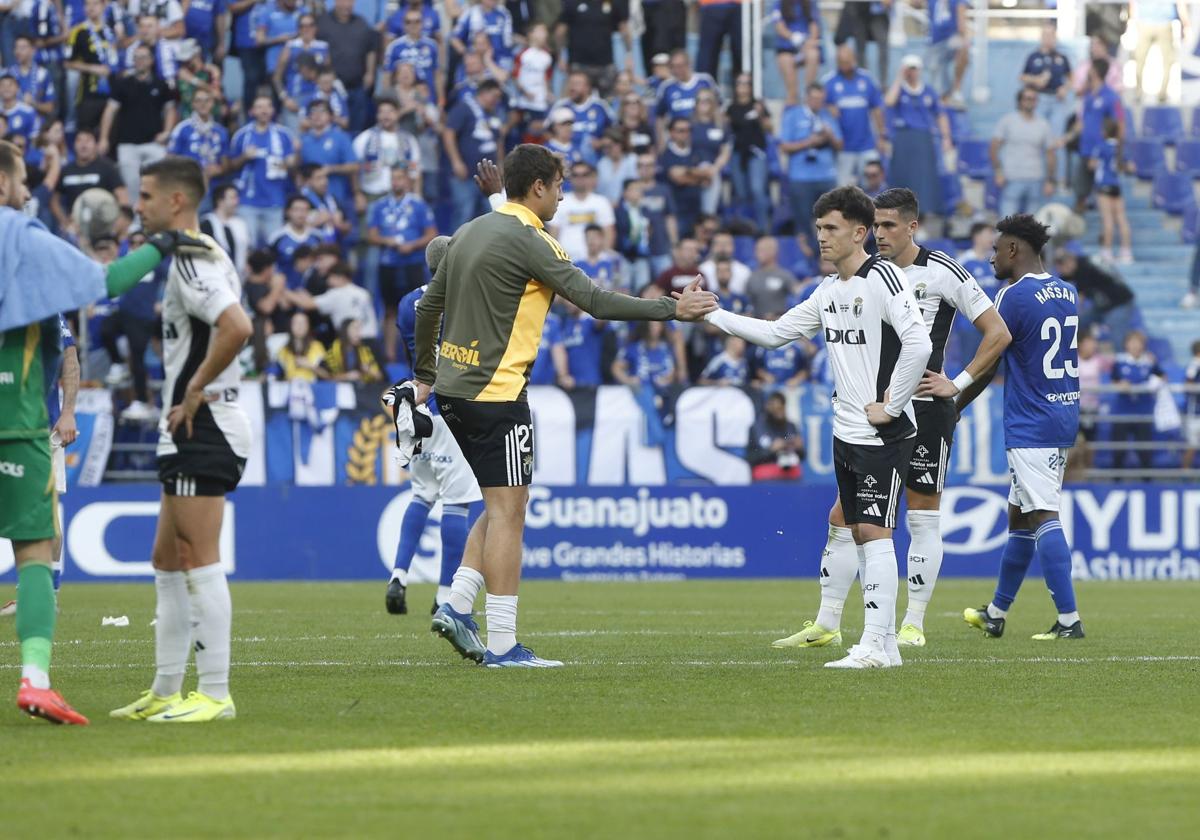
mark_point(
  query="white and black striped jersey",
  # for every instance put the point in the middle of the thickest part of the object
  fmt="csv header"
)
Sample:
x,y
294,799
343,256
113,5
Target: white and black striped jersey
x,y
875,340
200,286
943,287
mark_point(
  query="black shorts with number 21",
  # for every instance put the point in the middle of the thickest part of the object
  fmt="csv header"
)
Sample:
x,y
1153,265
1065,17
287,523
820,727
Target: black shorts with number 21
x,y
496,438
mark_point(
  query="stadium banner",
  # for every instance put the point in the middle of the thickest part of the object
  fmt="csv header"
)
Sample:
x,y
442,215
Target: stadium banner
x,y
334,434
283,532
88,455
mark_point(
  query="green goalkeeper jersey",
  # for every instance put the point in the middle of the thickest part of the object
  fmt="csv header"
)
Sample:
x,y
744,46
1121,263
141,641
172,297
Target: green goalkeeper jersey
x,y
26,355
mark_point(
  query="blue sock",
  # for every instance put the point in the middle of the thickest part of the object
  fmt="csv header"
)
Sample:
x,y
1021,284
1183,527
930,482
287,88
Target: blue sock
x,y
411,529
1014,563
454,540
1055,557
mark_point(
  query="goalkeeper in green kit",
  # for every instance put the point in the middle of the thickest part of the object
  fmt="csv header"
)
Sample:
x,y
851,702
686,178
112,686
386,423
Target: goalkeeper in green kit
x,y
41,276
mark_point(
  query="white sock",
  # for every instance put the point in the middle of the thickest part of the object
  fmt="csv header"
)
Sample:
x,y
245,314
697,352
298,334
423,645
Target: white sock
x,y
172,631
400,575
862,567
924,562
995,612
36,676
1067,619
443,595
501,623
838,568
213,613
464,589
879,595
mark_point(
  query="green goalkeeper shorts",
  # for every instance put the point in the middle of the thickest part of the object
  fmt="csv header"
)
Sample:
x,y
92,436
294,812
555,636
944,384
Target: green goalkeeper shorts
x,y
27,495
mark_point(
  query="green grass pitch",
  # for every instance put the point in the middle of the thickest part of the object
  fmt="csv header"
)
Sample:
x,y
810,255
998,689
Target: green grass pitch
x,y
674,719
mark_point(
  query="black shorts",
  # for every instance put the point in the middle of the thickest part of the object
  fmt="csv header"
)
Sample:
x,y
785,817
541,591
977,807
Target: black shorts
x,y
496,438
870,480
930,462
395,281
200,472
1111,190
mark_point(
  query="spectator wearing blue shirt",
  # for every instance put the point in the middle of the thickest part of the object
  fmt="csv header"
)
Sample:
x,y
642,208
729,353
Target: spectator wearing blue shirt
x,y
648,359
489,17
293,86
401,225
550,365
431,21
276,25
202,138
1106,166
591,114
1048,71
244,46
1137,375
947,55
262,153
35,82
327,219
601,265
780,367
294,234
206,23
1099,103
1191,412
471,134
657,206
331,147
810,137
582,337
797,25
22,119
416,49
685,174
677,96
565,142
728,368
857,103
713,146
917,119
977,260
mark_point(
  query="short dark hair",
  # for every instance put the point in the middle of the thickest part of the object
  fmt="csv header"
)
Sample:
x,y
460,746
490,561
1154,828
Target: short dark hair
x,y
901,199
342,269
303,253
307,170
319,103
527,164
851,202
1100,65
593,228
179,171
329,249
221,190
815,86
1196,348
676,121
293,198
486,85
261,260
1026,228
387,100
978,228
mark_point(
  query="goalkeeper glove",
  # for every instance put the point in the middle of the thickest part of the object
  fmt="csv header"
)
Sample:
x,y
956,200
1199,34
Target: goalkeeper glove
x,y
167,242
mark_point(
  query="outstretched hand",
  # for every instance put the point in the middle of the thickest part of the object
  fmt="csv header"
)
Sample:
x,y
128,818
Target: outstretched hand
x,y
693,303
487,177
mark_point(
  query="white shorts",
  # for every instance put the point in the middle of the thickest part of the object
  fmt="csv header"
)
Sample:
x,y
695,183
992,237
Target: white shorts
x,y
1191,430
1037,477
441,472
58,463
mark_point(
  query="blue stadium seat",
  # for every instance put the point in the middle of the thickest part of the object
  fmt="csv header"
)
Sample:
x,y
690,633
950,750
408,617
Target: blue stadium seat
x,y
743,249
1187,157
991,196
1162,122
1195,132
944,245
952,192
960,125
789,251
1147,157
1171,193
973,159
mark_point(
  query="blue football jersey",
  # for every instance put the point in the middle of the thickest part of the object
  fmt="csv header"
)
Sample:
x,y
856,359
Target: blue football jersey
x,y
1041,388
406,321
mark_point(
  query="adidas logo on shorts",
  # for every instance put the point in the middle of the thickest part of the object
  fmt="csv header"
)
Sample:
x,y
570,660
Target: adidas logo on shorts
x,y
925,479
873,510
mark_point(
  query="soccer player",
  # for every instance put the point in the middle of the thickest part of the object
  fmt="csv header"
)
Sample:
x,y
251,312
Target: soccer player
x,y
495,287
29,347
1041,419
877,346
204,440
439,471
942,287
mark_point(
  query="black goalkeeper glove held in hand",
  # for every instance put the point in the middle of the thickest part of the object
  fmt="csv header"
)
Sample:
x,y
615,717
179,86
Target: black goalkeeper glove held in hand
x,y
167,242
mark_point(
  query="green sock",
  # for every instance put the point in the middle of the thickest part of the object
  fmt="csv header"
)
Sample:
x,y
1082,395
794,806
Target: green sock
x,y
35,615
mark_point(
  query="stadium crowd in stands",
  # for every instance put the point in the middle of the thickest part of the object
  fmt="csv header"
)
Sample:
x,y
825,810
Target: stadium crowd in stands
x,y
350,143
